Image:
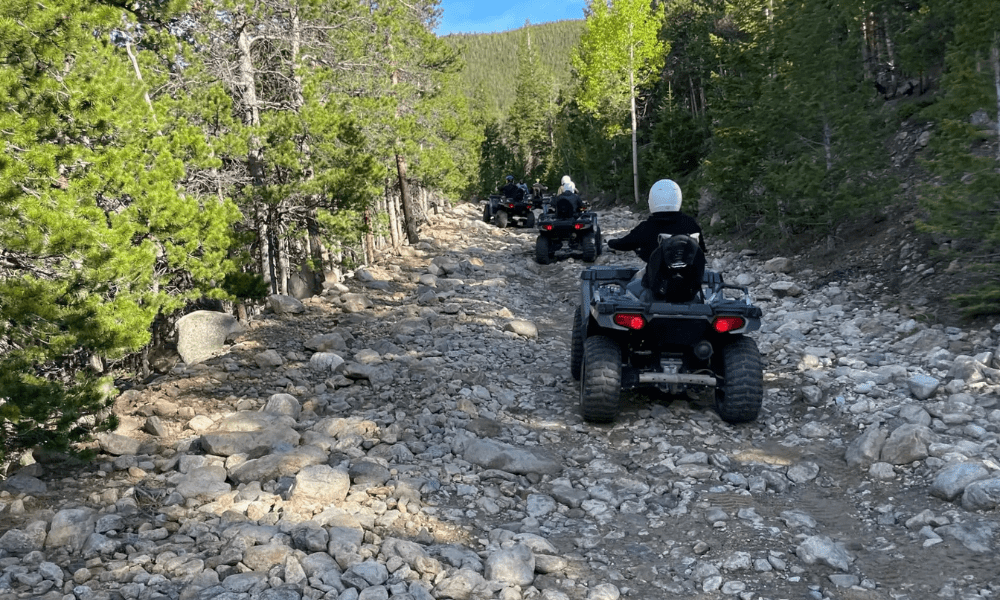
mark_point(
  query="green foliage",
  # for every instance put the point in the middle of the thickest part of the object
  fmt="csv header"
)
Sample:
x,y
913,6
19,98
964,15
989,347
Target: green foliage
x,y
97,233
491,60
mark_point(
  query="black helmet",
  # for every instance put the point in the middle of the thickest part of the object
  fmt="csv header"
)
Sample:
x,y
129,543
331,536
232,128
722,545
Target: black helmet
x,y
510,178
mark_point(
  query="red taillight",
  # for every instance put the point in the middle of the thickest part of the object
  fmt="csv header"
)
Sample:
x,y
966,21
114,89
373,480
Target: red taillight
x,y
630,321
511,205
548,228
724,324
578,226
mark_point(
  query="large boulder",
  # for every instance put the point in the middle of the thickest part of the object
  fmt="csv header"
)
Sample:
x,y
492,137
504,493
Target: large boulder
x,y
203,333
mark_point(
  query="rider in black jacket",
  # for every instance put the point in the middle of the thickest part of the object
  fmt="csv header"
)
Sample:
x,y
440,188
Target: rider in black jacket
x,y
665,206
511,190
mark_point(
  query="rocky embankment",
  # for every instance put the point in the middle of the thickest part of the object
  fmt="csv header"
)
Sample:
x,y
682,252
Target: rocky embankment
x,y
414,434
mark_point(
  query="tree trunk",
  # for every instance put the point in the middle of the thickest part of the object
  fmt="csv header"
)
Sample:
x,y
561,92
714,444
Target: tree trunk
x,y
410,219
995,59
369,238
635,147
390,209
317,270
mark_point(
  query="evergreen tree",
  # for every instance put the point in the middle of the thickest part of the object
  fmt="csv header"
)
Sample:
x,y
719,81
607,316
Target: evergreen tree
x,y
97,232
528,118
964,205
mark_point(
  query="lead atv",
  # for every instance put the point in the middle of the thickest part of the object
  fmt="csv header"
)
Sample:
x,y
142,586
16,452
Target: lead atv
x,y
676,327
509,211
564,221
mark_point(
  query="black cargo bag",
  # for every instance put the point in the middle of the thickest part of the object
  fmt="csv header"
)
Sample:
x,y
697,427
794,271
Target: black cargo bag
x,y
675,269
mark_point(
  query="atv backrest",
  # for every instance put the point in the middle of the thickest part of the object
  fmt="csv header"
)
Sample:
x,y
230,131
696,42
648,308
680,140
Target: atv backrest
x,y
565,207
676,269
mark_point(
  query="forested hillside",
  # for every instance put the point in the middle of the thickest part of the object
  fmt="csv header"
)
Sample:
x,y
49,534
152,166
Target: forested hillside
x,y
164,154
489,77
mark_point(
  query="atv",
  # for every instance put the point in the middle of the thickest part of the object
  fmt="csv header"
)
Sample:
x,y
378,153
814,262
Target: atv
x,y
508,211
563,223
631,332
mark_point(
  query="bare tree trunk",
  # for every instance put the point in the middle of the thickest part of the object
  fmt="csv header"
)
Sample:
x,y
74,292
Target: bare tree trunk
x,y
317,269
890,53
369,238
412,235
390,209
255,158
866,58
635,146
138,76
995,59
828,144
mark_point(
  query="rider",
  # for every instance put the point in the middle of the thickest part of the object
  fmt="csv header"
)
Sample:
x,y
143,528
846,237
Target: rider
x,y
511,190
568,202
665,206
562,184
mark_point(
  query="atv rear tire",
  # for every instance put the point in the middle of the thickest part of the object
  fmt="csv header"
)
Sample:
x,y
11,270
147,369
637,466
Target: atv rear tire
x,y
576,346
542,253
529,220
487,214
589,245
600,379
599,241
738,399
502,219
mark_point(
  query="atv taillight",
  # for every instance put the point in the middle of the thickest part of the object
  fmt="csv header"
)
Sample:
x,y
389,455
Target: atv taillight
x,y
511,205
577,225
630,321
725,324
547,227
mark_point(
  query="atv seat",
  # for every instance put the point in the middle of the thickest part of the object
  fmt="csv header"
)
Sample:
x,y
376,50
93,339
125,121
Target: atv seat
x,y
676,269
565,207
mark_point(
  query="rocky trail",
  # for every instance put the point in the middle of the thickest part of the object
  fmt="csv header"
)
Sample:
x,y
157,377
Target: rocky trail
x,y
414,434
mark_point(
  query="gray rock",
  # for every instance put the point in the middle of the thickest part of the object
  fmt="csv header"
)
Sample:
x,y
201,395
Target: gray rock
x,y
70,528
490,454
320,485
952,480
514,565
821,549
907,443
119,445
273,466
285,305
464,584
269,359
866,448
922,386
22,541
203,483
283,404
325,362
24,484
254,443
982,495
523,328
326,342
202,334
262,558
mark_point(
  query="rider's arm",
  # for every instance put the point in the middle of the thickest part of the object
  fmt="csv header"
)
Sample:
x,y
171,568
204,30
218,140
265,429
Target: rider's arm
x,y
632,241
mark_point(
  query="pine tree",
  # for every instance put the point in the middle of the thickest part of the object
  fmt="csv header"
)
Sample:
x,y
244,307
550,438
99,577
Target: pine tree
x,y
964,205
97,232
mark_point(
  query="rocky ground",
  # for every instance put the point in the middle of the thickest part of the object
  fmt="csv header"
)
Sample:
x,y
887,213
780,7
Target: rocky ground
x,y
414,434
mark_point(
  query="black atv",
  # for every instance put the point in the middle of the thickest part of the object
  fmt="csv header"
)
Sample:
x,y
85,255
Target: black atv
x,y
631,333
508,211
562,222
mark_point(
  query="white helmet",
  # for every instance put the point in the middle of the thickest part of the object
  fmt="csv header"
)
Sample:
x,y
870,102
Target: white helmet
x,y
664,196
570,187
565,180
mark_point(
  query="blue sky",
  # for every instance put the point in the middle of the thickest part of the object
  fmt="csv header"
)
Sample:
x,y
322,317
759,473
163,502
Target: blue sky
x,y
478,16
